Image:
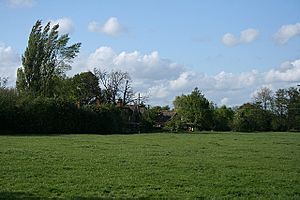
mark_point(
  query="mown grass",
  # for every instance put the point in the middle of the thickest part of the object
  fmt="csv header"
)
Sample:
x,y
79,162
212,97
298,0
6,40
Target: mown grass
x,y
151,166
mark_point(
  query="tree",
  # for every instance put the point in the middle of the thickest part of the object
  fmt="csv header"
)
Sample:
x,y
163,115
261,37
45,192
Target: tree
x,y
287,109
293,109
117,85
279,122
280,102
86,88
223,119
194,110
264,98
46,57
128,95
251,117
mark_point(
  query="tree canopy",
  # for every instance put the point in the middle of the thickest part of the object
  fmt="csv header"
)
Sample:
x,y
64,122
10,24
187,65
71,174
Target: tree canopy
x,y
194,110
86,88
46,57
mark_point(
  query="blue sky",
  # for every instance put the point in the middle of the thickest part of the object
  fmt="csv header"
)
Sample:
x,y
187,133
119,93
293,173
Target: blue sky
x,y
229,49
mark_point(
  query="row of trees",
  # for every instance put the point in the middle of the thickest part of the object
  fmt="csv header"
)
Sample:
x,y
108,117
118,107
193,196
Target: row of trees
x,y
268,112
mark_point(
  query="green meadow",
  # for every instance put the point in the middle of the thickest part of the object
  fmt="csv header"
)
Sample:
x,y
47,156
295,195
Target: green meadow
x,y
151,166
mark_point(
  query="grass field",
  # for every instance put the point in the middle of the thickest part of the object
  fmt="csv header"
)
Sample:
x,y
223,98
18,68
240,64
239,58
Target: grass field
x,y
151,166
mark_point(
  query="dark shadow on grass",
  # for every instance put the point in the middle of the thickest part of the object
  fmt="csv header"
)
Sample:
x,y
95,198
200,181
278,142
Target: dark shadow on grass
x,y
32,134
66,134
18,195
30,196
109,198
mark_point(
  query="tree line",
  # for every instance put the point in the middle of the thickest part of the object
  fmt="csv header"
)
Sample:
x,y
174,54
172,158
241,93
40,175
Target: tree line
x,y
45,100
268,112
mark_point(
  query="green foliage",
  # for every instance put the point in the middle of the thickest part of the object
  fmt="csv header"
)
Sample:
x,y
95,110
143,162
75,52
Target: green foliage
x,y
194,110
47,114
287,109
293,108
279,121
151,166
56,115
107,118
251,117
149,118
223,119
85,87
175,124
8,111
46,57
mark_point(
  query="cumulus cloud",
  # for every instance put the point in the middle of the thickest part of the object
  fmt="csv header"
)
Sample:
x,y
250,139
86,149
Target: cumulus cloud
x,y
9,62
182,81
21,3
140,66
230,40
286,32
66,25
288,71
246,36
111,27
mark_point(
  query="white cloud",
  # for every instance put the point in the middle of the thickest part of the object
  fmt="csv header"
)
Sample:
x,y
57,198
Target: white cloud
x,y
224,101
232,81
160,91
111,27
21,3
288,71
286,32
148,67
182,81
65,25
229,39
9,62
246,36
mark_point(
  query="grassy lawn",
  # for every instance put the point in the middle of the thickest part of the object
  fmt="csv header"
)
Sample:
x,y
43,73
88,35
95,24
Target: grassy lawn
x,y
151,166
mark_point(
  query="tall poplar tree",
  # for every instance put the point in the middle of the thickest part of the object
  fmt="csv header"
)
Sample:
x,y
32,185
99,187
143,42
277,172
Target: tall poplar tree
x,y
46,58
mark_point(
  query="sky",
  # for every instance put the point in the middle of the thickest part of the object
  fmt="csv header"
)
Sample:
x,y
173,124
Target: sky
x,y
228,49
